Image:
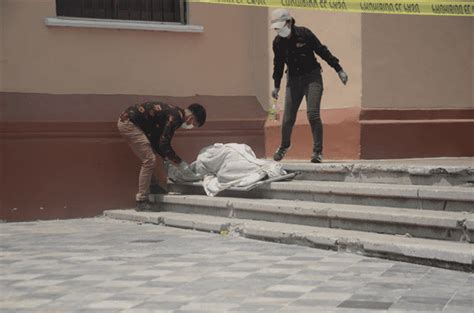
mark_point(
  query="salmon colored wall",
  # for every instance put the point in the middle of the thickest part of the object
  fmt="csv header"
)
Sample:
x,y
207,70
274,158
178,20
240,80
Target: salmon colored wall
x,y
2,29
340,105
62,157
417,61
472,63
65,158
71,170
103,61
422,138
341,33
341,136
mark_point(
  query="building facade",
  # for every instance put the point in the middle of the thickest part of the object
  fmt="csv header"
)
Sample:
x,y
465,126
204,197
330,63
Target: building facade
x,y
64,82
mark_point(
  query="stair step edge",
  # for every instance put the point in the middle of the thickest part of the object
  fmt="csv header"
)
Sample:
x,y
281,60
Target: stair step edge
x,y
329,210
435,252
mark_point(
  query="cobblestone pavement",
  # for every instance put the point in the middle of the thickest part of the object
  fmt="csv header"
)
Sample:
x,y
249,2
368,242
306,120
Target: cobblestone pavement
x,y
101,265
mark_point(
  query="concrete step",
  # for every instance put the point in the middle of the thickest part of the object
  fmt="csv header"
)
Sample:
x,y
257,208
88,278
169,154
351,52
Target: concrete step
x,y
444,198
407,173
446,254
454,226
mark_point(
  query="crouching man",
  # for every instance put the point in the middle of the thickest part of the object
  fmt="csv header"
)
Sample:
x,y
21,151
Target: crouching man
x,y
148,128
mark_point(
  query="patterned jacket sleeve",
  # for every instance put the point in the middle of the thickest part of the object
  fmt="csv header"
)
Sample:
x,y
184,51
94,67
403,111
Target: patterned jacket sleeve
x,y
166,151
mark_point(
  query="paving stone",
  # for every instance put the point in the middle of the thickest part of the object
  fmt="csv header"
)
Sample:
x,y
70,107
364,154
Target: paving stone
x,y
425,300
100,265
290,288
114,304
467,302
160,305
267,300
209,306
314,303
304,309
283,294
23,303
369,305
256,307
458,309
136,310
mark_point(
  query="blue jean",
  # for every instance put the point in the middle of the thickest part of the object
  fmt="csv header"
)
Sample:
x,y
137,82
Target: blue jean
x,y
311,86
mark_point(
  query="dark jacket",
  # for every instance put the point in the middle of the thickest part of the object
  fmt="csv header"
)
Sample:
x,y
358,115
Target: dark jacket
x,y
298,53
158,121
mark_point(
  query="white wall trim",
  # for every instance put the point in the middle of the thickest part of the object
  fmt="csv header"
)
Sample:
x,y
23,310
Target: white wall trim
x,y
121,24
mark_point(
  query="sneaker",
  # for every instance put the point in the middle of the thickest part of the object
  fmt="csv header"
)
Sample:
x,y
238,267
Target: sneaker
x,y
280,153
143,205
316,157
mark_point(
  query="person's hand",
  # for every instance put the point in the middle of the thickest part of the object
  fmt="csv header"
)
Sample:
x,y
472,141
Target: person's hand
x,y
343,77
275,93
166,165
187,172
183,166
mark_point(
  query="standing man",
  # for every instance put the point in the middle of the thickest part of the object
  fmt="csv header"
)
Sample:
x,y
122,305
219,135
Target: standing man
x,y
296,46
148,129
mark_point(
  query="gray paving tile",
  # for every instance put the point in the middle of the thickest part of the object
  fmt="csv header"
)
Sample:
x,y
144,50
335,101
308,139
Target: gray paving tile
x,y
458,309
425,300
53,266
390,296
282,294
315,303
388,286
401,305
369,305
160,305
467,302
251,307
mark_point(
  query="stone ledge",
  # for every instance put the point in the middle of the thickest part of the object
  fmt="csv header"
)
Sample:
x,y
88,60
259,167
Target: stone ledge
x,y
386,195
121,24
439,225
379,190
367,167
422,251
420,218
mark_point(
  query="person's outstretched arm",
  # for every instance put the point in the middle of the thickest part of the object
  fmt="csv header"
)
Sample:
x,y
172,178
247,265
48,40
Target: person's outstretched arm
x,y
278,67
327,56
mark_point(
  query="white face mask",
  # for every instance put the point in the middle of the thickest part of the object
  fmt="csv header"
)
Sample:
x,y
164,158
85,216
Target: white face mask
x,y
186,126
284,32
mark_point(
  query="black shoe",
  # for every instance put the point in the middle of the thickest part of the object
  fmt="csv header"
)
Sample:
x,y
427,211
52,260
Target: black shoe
x,y
280,153
316,157
143,205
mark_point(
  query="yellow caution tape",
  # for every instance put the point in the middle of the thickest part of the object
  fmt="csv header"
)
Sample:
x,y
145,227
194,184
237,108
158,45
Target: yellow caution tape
x,y
416,7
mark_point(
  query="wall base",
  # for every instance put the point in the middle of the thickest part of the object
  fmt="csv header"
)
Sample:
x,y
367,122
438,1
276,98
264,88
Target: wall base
x,y
353,133
341,136
390,134
62,155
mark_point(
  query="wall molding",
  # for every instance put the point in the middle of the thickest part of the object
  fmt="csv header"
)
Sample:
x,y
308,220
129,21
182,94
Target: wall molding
x,y
52,130
417,114
121,24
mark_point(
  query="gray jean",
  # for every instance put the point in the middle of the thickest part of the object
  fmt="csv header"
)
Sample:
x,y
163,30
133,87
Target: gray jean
x,y
311,86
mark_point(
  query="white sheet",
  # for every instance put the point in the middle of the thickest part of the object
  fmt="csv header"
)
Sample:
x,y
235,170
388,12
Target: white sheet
x,y
231,165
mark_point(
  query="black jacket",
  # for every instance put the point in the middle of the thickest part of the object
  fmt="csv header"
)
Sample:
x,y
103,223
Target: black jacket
x,y
298,53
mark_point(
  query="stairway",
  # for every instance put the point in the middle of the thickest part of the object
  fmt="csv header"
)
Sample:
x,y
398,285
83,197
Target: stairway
x,y
418,213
